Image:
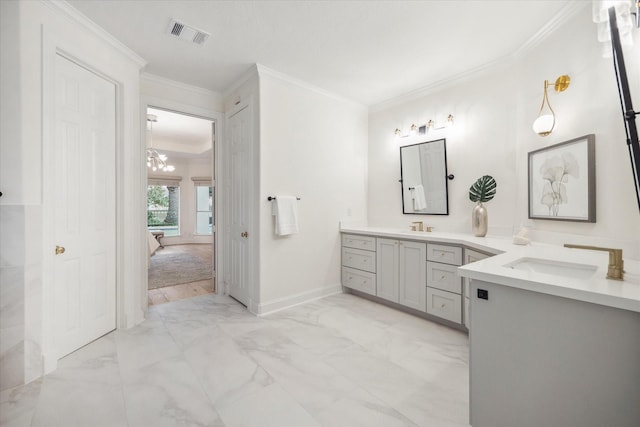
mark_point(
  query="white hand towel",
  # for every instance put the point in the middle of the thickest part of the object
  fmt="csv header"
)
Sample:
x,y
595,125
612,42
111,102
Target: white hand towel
x,y
420,202
285,209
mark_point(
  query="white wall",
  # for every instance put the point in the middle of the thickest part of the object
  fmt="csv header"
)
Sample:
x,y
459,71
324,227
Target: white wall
x,y
314,146
31,31
492,135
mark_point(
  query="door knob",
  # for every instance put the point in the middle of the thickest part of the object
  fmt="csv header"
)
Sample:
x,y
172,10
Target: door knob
x,y
59,250
244,234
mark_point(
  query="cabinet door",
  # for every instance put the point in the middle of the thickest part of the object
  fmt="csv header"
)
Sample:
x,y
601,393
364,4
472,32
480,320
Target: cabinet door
x,y
412,284
387,269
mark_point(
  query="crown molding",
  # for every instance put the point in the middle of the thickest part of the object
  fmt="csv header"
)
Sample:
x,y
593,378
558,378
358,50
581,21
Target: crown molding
x,y
153,78
244,77
440,85
75,15
266,71
566,13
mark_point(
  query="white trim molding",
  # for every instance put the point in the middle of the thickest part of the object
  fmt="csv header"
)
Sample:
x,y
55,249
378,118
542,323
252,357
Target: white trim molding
x,y
75,15
153,78
269,307
265,71
566,13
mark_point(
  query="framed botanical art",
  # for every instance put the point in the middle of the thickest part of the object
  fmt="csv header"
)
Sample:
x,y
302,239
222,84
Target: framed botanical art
x,y
562,181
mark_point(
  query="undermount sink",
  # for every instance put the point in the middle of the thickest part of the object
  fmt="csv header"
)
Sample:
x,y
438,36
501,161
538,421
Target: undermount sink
x,y
555,268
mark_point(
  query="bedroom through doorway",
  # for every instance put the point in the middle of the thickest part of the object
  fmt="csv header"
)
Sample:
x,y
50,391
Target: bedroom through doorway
x,y
180,205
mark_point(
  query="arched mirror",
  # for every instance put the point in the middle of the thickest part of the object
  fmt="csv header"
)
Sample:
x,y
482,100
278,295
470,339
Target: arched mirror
x,y
423,170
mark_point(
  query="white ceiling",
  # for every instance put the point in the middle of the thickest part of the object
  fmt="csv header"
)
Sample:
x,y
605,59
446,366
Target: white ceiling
x,y
180,135
367,51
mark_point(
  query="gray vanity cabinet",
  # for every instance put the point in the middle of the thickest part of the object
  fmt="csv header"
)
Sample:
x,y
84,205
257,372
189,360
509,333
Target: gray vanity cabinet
x,y
418,275
444,287
401,272
544,360
359,263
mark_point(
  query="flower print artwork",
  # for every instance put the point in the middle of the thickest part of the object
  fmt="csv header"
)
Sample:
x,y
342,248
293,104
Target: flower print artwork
x,y
562,181
555,172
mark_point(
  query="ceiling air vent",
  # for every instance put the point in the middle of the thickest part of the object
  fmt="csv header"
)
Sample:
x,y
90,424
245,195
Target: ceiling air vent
x,y
187,33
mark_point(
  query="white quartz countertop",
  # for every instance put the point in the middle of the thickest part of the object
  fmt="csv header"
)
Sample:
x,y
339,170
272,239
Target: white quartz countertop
x,y
596,289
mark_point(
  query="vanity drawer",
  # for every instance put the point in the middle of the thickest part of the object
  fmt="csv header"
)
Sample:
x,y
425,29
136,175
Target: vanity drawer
x,y
359,259
472,256
444,304
359,280
443,276
367,243
444,253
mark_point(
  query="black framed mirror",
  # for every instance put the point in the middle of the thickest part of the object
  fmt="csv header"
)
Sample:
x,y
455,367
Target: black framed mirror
x,y
424,178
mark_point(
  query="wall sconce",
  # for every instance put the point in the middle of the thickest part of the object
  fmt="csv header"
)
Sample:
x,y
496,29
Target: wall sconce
x,y
426,128
546,120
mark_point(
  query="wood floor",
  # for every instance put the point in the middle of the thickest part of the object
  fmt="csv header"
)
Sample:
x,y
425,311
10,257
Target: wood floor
x,y
185,290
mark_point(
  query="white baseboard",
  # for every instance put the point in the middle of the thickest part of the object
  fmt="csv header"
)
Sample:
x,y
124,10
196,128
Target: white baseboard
x,y
270,307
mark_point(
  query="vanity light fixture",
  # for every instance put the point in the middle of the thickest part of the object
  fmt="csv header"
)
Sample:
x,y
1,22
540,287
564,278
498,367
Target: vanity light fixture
x,y
546,120
428,127
431,125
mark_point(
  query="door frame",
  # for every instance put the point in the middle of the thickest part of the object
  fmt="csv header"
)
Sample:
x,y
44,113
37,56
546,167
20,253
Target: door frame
x,y
217,118
53,47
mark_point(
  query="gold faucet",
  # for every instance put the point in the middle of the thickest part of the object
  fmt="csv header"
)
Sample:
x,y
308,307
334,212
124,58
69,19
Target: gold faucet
x,y
615,268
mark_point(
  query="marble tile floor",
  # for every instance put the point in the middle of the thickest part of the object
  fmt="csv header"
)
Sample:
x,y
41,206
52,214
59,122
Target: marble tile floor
x,y
206,361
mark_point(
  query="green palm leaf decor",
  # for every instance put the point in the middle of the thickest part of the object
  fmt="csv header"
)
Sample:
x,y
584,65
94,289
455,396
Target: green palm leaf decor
x,y
483,190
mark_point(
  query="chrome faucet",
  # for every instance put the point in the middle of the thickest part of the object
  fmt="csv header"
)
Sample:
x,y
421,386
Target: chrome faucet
x,y
615,269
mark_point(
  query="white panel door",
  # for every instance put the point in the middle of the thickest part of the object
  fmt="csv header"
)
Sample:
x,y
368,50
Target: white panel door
x,y
84,209
387,269
239,127
412,283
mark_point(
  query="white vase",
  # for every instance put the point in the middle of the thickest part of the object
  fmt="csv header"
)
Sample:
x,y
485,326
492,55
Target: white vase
x,y
479,220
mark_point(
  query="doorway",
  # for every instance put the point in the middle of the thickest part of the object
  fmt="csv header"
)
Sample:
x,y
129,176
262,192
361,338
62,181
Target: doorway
x,y
181,201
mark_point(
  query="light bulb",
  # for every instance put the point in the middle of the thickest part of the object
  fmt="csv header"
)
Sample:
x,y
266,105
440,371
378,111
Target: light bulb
x,y
544,124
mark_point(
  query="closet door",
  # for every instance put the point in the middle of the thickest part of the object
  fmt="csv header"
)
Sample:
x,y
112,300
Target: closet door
x,y
239,127
84,206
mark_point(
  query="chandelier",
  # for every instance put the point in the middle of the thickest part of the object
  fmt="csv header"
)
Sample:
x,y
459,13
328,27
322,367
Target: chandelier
x,y
155,160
